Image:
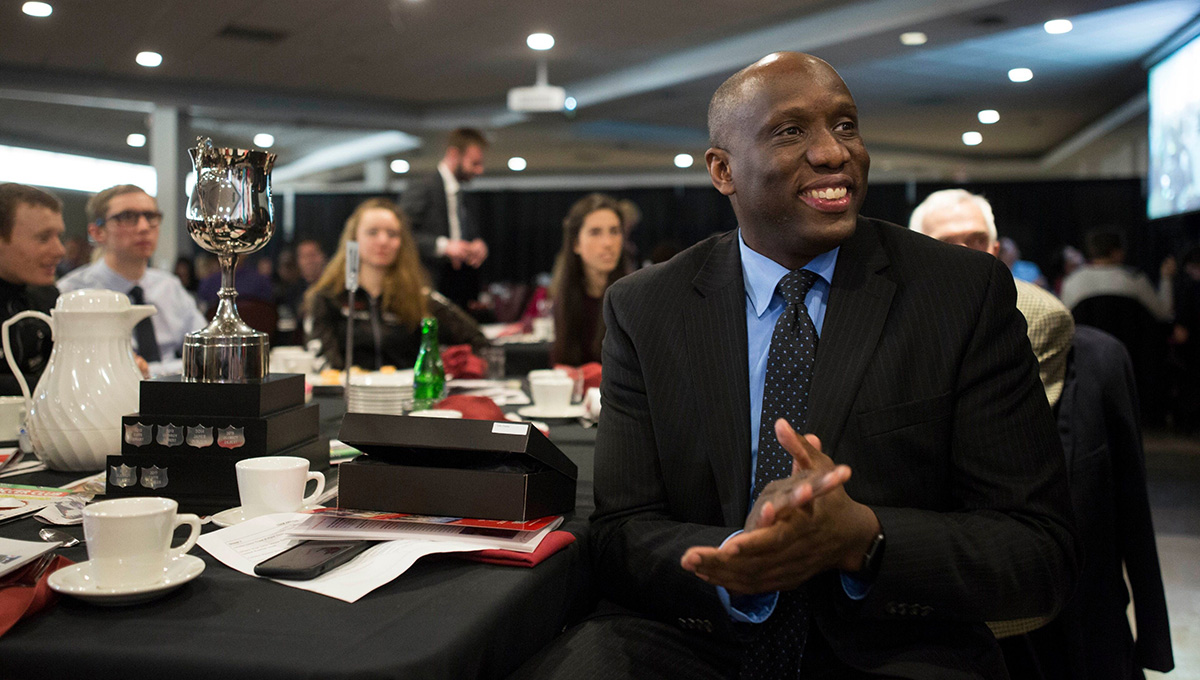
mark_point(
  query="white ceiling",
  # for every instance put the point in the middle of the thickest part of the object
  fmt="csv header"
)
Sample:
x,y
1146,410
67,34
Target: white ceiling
x,y
319,73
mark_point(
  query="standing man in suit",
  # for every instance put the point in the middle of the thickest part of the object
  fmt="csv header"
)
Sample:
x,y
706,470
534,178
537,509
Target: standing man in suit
x,y
923,386
447,234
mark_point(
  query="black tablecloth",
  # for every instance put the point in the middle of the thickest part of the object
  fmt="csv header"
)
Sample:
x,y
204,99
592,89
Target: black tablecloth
x,y
444,618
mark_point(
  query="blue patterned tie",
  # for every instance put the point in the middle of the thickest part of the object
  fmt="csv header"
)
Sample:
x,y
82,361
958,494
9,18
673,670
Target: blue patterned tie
x,y
143,332
778,643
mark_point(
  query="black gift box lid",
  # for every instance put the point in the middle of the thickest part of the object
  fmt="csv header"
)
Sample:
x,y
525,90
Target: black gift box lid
x,y
453,443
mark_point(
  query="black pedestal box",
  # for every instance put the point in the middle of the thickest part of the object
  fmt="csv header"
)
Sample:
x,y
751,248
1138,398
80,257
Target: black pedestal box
x,y
454,468
203,483
188,436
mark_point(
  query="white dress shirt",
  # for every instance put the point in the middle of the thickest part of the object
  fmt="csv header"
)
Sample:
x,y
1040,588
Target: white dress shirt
x,y
177,314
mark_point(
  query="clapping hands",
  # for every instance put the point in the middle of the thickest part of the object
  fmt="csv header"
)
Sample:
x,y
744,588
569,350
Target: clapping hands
x,y
798,528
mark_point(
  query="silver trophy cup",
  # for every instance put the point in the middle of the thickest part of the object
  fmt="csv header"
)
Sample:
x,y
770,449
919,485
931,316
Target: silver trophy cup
x,y
229,214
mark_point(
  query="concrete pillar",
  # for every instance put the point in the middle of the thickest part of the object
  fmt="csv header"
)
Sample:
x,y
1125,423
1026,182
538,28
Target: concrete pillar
x,y
376,174
169,136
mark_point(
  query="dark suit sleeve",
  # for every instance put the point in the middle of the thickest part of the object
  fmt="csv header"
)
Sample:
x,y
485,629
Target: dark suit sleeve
x,y
998,543
636,541
419,203
1135,529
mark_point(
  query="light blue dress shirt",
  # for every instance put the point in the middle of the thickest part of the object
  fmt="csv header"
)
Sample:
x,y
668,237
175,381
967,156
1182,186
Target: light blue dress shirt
x,y
761,275
177,314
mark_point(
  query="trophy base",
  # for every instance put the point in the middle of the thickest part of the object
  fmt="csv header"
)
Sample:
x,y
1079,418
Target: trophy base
x,y
225,358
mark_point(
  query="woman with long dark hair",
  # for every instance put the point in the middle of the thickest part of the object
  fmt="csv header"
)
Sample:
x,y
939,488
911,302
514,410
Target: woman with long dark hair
x,y
588,263
394,296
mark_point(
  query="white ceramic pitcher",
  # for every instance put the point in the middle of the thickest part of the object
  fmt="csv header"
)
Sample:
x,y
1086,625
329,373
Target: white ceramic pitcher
x,y
74,415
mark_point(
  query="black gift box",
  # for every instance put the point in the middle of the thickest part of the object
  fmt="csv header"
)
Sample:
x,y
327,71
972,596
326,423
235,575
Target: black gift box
x,y
454,468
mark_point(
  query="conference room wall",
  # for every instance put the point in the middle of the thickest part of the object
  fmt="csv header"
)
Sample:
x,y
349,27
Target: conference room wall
x,y
524,228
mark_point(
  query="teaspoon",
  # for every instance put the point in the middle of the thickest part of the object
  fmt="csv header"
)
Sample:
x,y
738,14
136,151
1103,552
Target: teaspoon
x,y
56,536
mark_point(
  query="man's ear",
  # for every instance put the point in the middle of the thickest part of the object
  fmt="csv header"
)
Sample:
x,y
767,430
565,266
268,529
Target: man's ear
x,y
98,233
994,249
719,171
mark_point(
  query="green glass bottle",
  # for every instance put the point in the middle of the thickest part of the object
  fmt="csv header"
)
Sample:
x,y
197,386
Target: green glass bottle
x,y
429,381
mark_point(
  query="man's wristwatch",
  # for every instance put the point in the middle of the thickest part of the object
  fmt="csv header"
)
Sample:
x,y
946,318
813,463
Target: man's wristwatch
x,y
872,558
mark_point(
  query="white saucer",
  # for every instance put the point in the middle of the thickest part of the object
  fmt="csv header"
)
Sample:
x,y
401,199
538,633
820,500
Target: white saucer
x,y
536,411
76,581
232,516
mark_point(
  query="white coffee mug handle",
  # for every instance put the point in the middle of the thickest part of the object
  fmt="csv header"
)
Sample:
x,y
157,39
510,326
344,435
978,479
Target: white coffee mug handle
x,y
192,521
312,497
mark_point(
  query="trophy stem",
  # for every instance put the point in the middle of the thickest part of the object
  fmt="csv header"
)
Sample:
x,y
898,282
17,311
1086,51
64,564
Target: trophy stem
x,y
227,350
228,271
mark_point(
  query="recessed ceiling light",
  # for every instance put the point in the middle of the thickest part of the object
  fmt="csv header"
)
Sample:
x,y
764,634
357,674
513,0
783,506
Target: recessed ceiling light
x,y
913,38
516,164
400,166
1020,75
149,59
264,140
37,9
989,116
569,103
684,160
540,41
1057,26
972,138
136,139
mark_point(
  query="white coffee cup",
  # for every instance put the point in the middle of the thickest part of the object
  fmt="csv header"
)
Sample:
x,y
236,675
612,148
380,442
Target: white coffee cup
x,y
272,484
545,373
12,414
552,393
129,540
591,403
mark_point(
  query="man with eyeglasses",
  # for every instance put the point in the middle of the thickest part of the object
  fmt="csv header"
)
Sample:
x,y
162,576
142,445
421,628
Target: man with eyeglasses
x,y
124,221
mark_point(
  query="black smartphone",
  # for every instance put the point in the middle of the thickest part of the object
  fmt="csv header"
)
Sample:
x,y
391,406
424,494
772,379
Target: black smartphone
x,y
310,559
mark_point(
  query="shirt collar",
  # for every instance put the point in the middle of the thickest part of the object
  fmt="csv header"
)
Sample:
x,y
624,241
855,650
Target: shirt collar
x,y
448,178
762,274
111,280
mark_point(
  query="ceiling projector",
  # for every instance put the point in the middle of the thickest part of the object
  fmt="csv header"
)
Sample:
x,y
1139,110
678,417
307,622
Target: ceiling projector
x,y
541,97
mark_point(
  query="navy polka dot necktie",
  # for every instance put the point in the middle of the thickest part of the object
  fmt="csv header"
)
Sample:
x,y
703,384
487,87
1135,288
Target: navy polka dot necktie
x,y
778,643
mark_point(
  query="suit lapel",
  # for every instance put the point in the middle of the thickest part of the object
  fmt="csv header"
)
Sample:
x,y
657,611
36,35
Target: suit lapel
x,y
716,342
859,299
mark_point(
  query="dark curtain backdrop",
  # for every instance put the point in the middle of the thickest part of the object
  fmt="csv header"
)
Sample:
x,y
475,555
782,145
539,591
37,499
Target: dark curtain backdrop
x,y
524,228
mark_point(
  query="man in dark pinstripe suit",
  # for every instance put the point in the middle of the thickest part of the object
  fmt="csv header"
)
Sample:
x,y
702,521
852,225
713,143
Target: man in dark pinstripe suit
x,y
924,387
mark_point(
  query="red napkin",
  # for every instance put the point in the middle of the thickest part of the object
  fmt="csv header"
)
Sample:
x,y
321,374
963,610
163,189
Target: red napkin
x,y
590,371
552,543
472,407
18,602
461,363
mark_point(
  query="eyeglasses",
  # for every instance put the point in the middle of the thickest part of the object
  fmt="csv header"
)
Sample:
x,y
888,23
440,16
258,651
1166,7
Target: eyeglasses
x,y
130,218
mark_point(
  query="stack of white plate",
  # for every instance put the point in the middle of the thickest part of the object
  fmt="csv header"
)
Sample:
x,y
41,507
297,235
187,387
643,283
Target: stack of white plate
x,y
384,393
